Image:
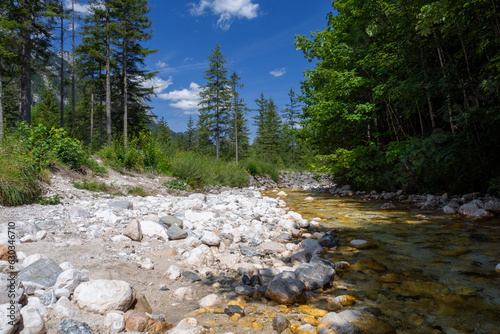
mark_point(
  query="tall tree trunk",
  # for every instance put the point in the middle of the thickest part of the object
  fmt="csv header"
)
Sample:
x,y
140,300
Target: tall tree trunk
x,y
236,130
73,68
92,112
62,66
108,80
1,105
445,76
125,87
25,94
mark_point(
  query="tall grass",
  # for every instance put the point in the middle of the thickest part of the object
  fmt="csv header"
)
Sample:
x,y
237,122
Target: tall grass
x,y
201,171
19,175
260,167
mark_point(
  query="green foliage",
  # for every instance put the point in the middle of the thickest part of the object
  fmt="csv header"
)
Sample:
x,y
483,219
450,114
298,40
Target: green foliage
x,y
418,81
142,153
137,191
96,186
201,171
256,166
176,184
19,175
362,167
54,200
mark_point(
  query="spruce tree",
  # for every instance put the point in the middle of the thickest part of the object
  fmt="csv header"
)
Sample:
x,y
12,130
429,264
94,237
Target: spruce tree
x,y
133,27
290,120
268,122
239,136
215,97
190,134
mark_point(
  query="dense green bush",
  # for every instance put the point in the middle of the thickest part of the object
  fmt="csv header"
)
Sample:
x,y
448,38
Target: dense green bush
x,y
201,171
19,173
260,167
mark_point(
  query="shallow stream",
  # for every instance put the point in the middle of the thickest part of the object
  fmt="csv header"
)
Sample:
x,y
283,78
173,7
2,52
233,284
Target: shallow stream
x,y
440,275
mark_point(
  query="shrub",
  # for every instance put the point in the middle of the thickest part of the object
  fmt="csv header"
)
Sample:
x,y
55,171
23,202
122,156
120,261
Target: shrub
x,y
19,174
176,184
260,167
96,186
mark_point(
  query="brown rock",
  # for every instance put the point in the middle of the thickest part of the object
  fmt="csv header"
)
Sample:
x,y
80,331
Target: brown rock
x,y
133,230
369,263
286,291
140,322
141,304
167,251
4,253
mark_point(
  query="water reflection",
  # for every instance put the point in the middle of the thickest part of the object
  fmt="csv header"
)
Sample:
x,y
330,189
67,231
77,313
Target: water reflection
x,y
440,275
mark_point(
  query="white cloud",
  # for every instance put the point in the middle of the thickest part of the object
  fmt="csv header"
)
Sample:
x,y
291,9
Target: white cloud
x,y
161,64
227,9
79,8
158,84
185,99
278,72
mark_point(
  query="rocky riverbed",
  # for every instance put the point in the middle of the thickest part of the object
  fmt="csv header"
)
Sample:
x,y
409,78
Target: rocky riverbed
x,y
225,261
229,261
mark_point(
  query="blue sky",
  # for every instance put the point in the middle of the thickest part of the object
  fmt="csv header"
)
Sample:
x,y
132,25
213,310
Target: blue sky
x,y
256,37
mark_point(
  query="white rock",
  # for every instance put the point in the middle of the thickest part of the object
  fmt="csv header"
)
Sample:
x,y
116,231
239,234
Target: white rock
x,y
70,279
119,238
9,317
195,257
101,296
31,287
210,300
210,238
64,307
173,272
62,293
40,235
358,242
497,269
199,216
33,258
32,321
188,326
115,321
67,265
282,194
107,216
152,229
184,293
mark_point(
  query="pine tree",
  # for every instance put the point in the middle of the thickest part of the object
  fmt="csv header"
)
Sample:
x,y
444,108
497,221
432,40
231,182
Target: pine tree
x,y
36,20
132,28
204,133
46,111
91,60
215,97
290,133
190,133
239,136
268,122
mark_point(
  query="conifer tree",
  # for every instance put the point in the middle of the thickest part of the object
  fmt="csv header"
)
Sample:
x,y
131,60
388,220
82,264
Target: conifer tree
x,y
239,136
215,97
190,133
132,28
36,20
290,117
268,122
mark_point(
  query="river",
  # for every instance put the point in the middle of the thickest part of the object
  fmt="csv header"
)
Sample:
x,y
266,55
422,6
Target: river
x,y
440,270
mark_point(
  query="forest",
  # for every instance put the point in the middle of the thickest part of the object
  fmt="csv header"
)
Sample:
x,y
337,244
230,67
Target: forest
x,y
401,95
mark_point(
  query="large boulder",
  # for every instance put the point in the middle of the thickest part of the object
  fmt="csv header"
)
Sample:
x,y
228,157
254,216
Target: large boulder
x,y
101,296
70,279
315,275
286,291
43,272
10,290
369,323
474,210
311,246
33,322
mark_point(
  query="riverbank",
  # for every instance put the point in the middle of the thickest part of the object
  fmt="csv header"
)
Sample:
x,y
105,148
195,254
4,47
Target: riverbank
x,y
229,261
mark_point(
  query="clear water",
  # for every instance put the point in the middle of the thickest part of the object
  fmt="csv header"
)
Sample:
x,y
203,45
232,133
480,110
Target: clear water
x,y
441,270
